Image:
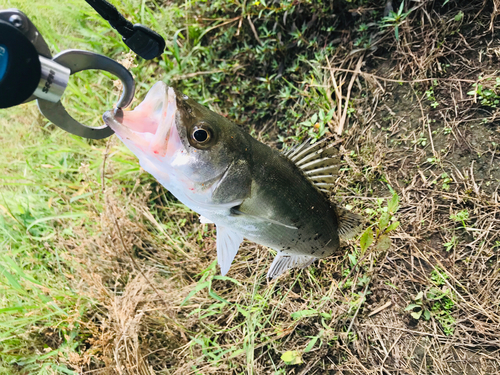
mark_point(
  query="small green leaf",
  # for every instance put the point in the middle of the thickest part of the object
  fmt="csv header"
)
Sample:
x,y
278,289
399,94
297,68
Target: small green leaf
x,y
427,314
242,311
383,243
416,315
329,115
210,313
12,280
325,315
401,7
58,217
303,313
393,226
392,205
314,118
419,296
237,353
215,296
411,306
225,278
17,308
353,259
321,114
384,221
311,344
177,53
292,357
366,239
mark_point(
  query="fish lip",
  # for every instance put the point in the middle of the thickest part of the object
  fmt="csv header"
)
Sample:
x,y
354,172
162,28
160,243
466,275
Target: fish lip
x,y
113,118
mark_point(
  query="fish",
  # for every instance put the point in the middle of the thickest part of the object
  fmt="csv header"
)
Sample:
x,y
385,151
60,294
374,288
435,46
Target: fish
x,y
246,188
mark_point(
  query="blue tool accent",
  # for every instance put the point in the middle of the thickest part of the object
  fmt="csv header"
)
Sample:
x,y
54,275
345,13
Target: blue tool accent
x,y
4,60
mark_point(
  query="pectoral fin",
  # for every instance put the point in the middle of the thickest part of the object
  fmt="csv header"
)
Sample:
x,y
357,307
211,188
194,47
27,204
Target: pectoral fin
x,y
284,262
228,243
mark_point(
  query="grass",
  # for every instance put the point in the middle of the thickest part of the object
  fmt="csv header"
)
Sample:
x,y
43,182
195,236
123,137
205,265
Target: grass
x,y
50,187
102,271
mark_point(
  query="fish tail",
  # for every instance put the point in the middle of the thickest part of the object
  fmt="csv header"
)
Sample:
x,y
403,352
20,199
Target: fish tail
x,y
349,223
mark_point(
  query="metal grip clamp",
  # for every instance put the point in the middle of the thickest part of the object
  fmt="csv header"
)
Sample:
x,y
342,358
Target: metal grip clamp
x,y
28,72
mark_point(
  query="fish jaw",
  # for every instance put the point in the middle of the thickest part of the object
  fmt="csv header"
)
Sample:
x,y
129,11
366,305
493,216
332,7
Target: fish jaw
x,y
150,131
146,130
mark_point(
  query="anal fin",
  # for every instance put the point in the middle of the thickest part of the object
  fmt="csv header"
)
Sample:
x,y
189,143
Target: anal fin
x,y
284,262
228,243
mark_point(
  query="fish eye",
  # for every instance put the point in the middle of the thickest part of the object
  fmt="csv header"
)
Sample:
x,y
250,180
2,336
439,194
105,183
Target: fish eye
x,y
200,135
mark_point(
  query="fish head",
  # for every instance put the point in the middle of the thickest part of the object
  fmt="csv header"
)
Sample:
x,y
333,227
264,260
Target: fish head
x,y
176,138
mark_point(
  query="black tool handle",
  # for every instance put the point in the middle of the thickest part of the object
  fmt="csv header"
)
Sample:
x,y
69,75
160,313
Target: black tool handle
x,y
20,68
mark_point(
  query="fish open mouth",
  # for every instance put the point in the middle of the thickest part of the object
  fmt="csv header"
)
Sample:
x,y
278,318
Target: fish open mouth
x,y
148,125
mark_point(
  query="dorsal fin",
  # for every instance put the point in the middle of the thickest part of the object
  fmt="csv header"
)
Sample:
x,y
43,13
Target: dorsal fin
x,y
319,161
